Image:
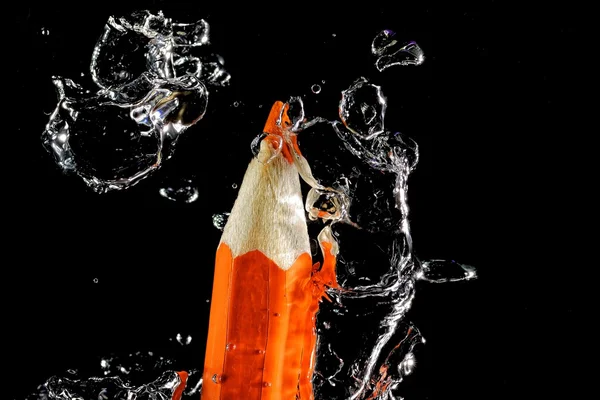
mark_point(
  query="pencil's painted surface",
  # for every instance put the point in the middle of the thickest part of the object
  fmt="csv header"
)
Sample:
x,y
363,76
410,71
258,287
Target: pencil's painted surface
x,y
262,338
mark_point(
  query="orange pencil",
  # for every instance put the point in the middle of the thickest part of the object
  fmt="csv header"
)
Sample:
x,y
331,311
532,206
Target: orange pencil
x,y
266,291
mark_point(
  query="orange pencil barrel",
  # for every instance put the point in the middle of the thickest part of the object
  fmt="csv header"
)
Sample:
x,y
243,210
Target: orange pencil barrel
x,y
261,339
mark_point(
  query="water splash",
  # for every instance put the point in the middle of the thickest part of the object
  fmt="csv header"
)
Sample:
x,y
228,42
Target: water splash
x,y
390,52
366,207
118,377
358,199
113,388
151,87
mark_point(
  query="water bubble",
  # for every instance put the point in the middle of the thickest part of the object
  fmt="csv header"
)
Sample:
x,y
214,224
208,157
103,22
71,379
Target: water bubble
x,y
152,89
234,186
236,103
316,88
219,220
184,191
362,109
96,280
391,53
230,347
45,31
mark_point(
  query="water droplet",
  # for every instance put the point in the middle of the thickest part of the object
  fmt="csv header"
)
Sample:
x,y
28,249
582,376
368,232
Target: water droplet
x,y
440,271
45,32
236,103
390,52
183,340
326,204
219,220
183,191
362,109
230,347
217,379
266,147
407,366
316,88
104,364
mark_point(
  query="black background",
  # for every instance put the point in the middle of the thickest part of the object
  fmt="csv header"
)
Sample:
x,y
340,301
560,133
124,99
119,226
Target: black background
x,y
495,95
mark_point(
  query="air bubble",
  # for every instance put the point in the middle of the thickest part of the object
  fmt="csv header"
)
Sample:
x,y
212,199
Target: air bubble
x,y
316,88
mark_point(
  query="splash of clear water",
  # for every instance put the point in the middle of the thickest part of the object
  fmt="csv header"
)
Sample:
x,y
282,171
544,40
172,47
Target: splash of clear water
x,y
152,85
359,201
390,52
366,207
118,377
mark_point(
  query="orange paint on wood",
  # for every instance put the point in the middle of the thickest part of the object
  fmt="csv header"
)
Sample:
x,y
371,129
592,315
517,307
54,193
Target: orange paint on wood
x,y
183,376
268,340
277,122
217,332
